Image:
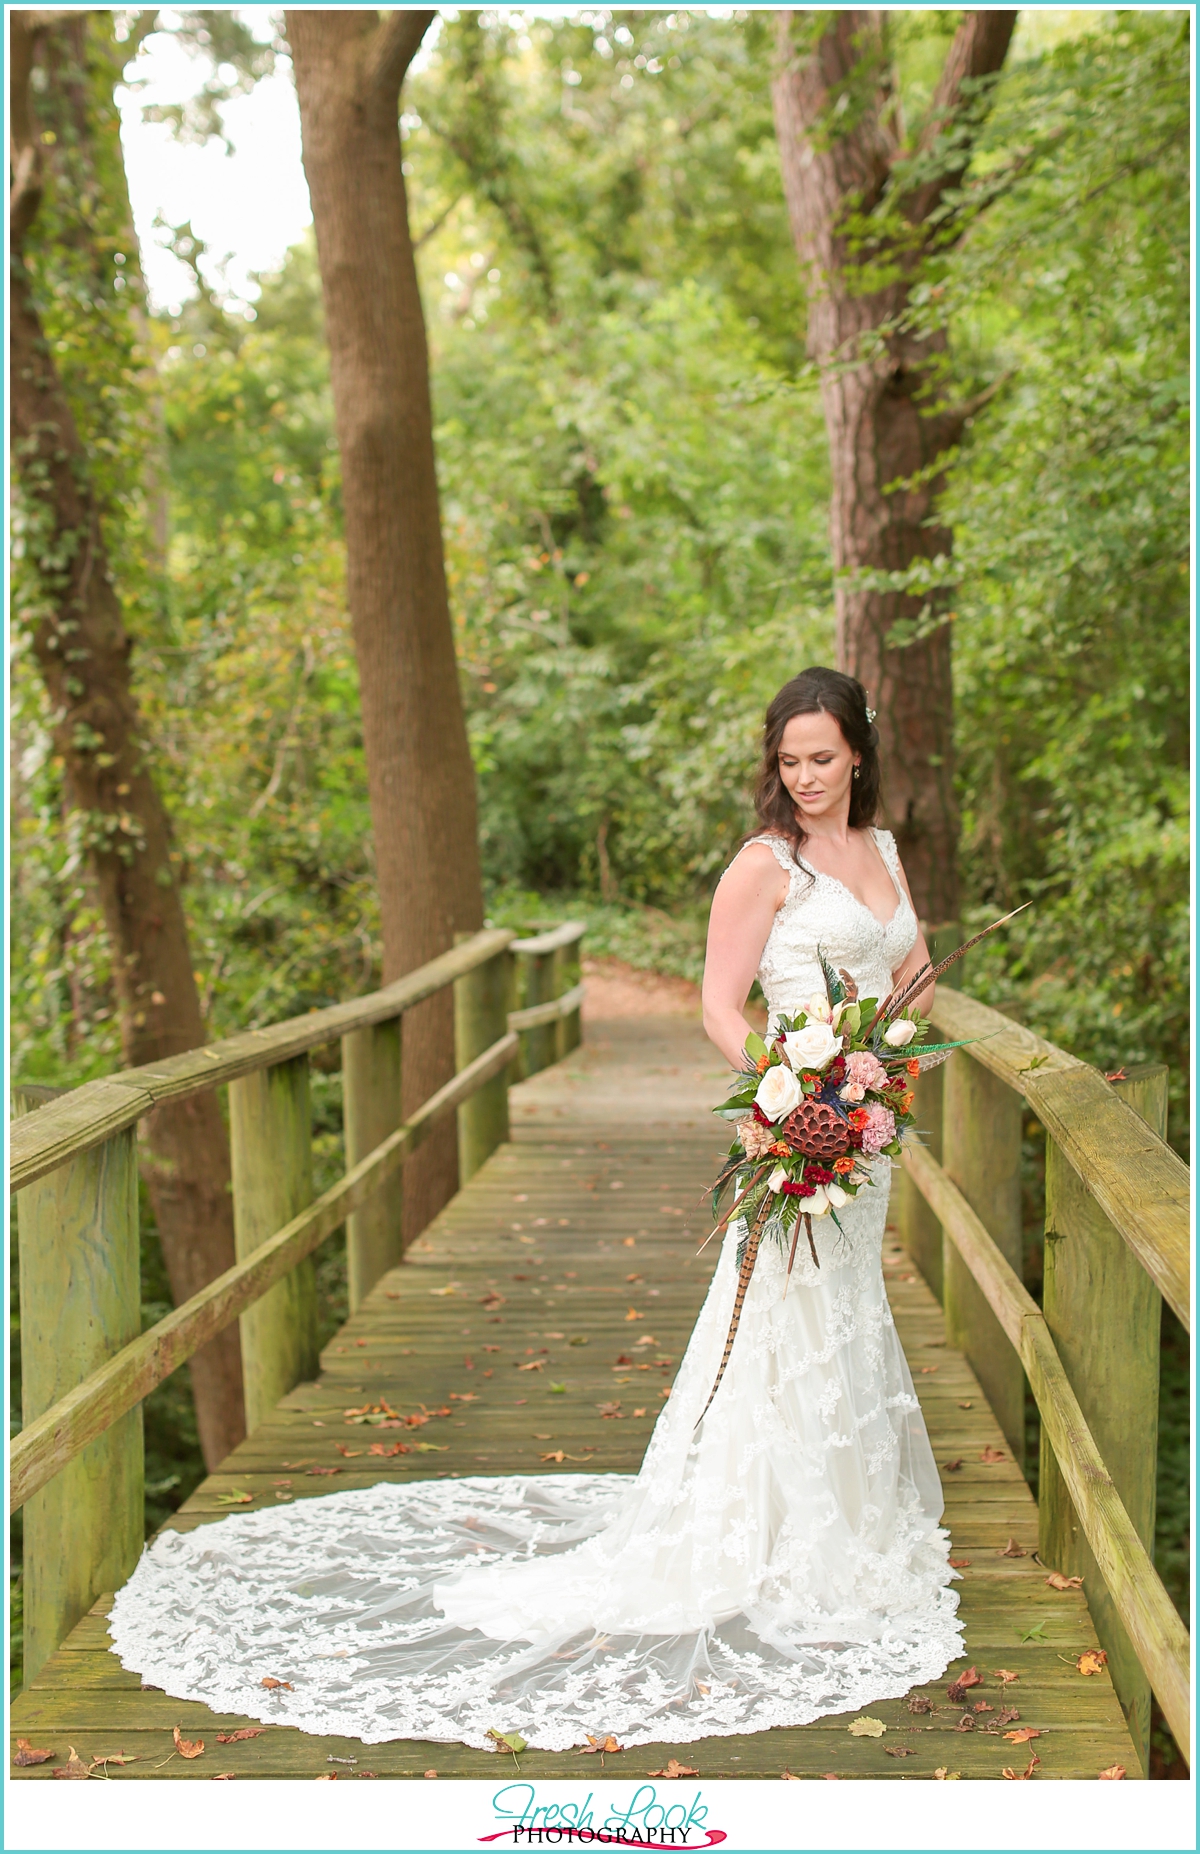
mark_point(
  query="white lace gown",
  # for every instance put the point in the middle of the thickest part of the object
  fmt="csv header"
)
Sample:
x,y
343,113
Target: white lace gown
x,y
782,1562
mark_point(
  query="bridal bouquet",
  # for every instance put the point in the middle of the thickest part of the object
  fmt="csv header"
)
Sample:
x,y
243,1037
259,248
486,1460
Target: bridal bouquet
x,y
831,1091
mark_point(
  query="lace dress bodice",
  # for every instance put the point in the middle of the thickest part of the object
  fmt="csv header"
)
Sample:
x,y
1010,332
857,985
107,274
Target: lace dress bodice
x,y
819,912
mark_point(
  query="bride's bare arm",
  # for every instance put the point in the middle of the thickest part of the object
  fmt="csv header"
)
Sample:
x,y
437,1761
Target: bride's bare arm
x,y
916,959
748,897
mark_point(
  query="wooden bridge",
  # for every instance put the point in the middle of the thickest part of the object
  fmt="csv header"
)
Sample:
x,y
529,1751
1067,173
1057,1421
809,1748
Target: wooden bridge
x,y
538,1322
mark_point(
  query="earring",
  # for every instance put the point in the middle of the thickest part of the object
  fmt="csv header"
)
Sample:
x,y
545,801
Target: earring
x,y
857,770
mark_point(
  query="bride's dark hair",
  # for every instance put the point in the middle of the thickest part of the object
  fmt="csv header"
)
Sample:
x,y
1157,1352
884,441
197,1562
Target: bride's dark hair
x,y
817,691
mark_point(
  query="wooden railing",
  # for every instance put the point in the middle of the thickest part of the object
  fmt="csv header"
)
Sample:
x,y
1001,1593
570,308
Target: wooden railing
x,y
1117,1245
76,1465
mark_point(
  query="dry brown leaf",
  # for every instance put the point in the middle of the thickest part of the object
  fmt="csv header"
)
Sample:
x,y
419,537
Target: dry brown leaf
x,y
633,1314
114,1757
224,1776
186,1747
268,1682
243,1731
1009,1716
1013,1550
1005,1675
918,1703
331,1776
25,1755
959,1564
607,1743
1057,1581
75,1769
966,1406
866,1728
942,1775
926,1369
1113,1774
431,1773
1022,1776
992,1455
556,1454
674,1769
982,1706
1091,1661
324,1470
1022,1736
963,1682
965,1724
788,1777
831,1776
952,1467
899,1751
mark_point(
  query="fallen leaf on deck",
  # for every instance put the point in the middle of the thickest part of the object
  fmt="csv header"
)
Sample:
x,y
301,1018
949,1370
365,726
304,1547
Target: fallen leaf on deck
x,y
1091,1661
957,1690
965,1724
350,1453
1057,1581
331,1776
1113,1774
508,1741
25,1755
787,1777
966,1406
942,1775
959,1564
608,1743
926,1369
535,1364
397,1448
268,1682
428,1773
431,1448
610,1409
831,1776
952,1467
633,1314
187,1747
674,1769
899,1751
639,1413
554,1455
1005,1675
1013,1550
243,1732
1036,1634
866,1728
74,1768
1009,1716
558,1390
1022,1776
234,1499
224,1776
1023,1736
918,1703
992,1455
324,1470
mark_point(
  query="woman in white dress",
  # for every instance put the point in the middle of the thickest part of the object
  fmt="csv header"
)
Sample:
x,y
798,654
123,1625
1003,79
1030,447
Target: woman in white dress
x,y
781,1561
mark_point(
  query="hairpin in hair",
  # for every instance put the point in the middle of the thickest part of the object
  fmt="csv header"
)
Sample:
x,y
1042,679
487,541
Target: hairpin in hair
x,y
871,713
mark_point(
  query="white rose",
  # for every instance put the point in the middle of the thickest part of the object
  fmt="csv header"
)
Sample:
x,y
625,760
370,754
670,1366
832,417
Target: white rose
x,y
817,1205
836,1196
777,1180
814,1047
817,1010
778,1092
900,1033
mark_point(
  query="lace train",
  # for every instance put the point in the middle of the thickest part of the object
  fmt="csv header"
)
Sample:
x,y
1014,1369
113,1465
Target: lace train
x,y
782,1562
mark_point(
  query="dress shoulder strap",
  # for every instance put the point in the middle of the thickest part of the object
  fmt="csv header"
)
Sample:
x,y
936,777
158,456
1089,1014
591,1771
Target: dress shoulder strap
x,y
887,849
779,847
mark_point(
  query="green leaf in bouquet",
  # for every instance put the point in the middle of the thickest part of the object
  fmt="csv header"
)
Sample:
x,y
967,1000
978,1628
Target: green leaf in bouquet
x,y
834,986
755,1046
850,1021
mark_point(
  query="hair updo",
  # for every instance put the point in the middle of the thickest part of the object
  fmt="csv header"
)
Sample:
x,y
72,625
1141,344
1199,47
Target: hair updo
x,y
826,692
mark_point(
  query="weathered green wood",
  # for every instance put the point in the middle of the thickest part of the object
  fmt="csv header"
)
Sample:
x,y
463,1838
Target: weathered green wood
x,y
1140,1184
481,1020
540,1046
568,1033
1159,1636
371,1061
1105,1315
981,1146
920,1231
270,1127
88,1115
80,1302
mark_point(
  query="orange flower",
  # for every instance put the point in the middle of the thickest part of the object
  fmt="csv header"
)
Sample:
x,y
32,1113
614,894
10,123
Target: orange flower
x,y
761,1064
858,1118
905,1102
844,1164
913,1066
780,1149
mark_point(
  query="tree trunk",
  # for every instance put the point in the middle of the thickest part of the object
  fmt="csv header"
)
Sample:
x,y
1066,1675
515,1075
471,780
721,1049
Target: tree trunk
x,y
83,649
880,395
349,67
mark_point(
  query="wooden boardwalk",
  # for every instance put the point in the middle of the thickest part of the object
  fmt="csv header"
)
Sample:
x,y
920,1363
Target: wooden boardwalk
x,y
539,1320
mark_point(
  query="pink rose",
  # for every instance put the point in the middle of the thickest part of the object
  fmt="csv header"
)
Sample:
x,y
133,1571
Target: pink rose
x,y
863,1071
880,1128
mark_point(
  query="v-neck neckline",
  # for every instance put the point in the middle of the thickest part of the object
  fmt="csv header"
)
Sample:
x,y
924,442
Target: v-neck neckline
x,y
857,899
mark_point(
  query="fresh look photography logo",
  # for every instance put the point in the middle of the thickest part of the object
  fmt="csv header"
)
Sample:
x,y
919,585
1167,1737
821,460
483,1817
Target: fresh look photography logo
x,y
645,1821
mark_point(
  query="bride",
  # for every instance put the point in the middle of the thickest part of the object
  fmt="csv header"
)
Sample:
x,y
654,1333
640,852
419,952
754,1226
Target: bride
x,y
781,1561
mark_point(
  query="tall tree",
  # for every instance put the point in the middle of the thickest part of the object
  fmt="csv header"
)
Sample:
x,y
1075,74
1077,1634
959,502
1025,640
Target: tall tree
x,y
83,649
349,67
867,207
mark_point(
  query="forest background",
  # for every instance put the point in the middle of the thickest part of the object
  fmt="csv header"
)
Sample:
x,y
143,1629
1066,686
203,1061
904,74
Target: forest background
x,y
635,485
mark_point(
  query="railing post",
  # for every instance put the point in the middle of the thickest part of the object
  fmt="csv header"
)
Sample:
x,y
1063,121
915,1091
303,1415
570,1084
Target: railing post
x,y
566,976
1105,1314
371,1066
80,1302
541,1045
920,1231
481,1000
270,1128
981,1147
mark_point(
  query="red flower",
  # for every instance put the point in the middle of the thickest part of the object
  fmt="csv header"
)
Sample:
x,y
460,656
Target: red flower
x,y
817,1175
800,1188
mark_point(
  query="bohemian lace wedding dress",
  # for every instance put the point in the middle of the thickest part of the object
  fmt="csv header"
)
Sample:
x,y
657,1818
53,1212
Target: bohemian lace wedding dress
x,y
782,1562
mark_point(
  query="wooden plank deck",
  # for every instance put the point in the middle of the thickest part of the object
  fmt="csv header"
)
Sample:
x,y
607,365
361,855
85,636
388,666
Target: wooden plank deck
x,y
558,1256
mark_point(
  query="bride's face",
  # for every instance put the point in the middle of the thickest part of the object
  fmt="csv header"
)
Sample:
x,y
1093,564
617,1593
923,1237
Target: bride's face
x,y
816,766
